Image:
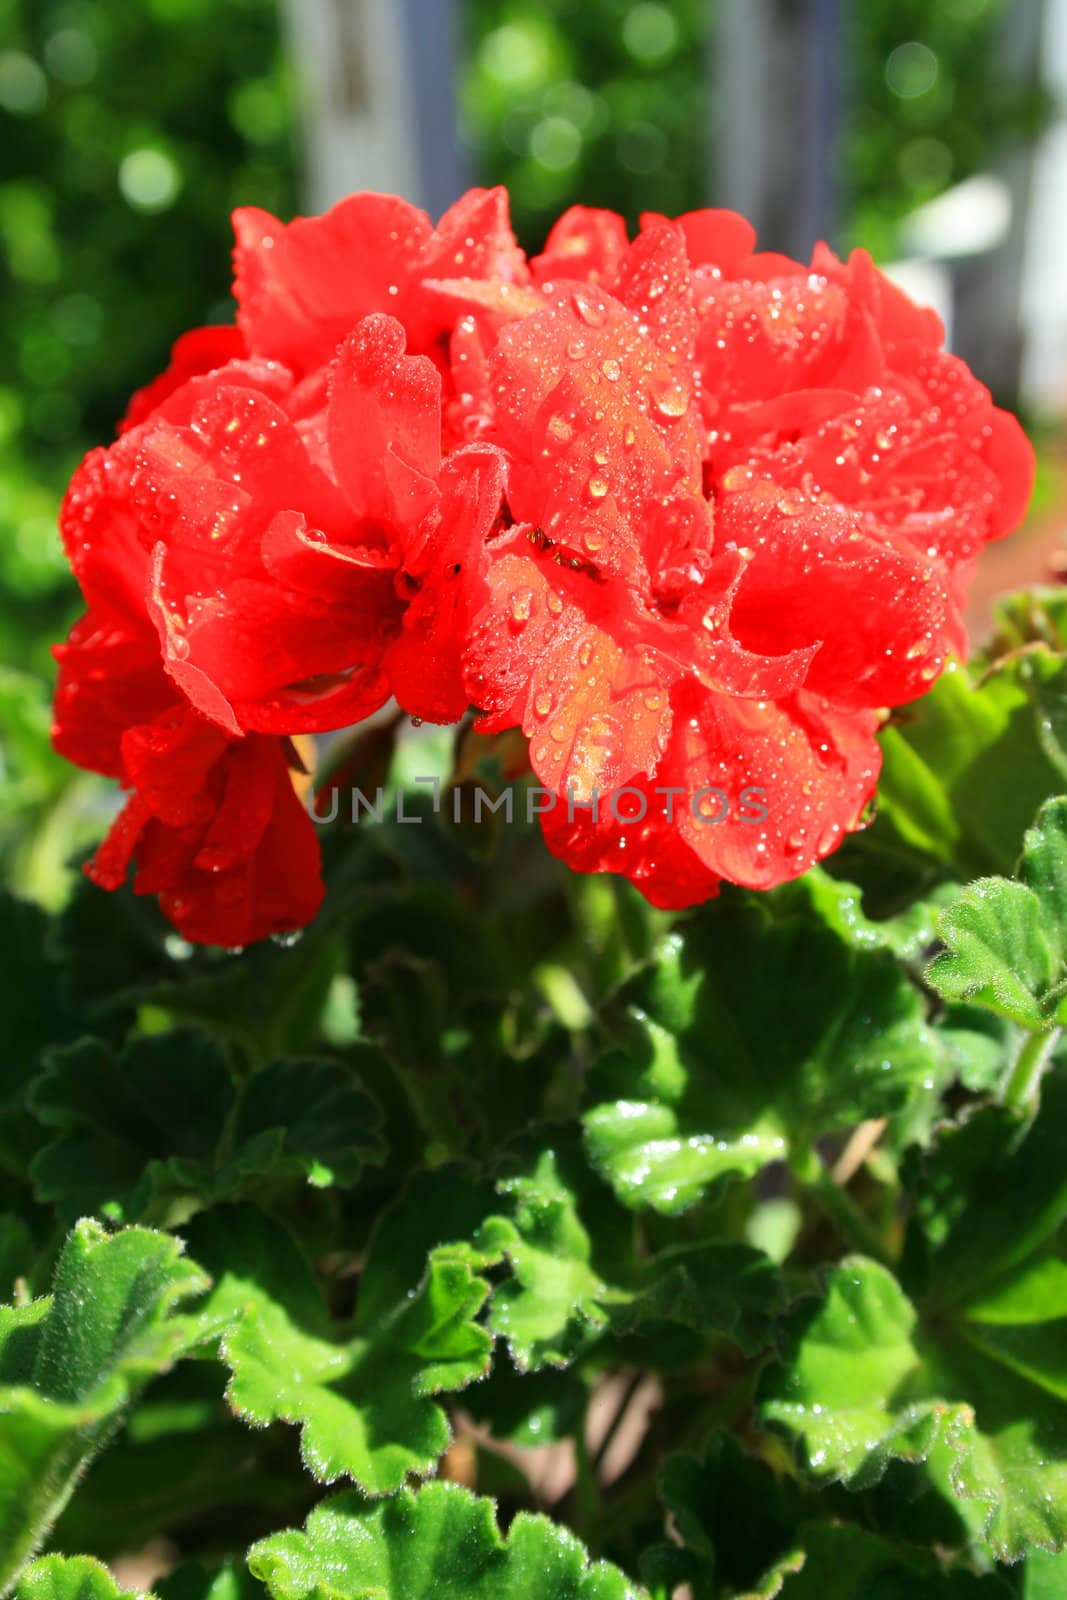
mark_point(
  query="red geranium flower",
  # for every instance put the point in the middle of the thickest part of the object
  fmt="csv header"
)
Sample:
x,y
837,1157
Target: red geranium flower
x,y
745,637
213,822
690,515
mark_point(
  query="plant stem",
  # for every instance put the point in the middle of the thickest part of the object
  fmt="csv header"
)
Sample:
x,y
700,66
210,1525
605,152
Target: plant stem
x,y
1022,1087
842,1210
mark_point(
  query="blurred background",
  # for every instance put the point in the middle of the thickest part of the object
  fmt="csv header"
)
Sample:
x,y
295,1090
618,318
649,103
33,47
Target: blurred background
x,y
933,132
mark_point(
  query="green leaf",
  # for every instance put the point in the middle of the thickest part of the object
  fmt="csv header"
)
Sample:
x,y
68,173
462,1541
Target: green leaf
x,y
68,1578
736,1520
1046,1576
715,1287
752,1533
998,952
1043,864
842,1563
850,1389
310,1118
1037,615
30,995
125,1115
163,1118
362,1397
182,1459
970,1373
554,1298
440,1543
70,1365
1006,941
742,1037
840,906
942,789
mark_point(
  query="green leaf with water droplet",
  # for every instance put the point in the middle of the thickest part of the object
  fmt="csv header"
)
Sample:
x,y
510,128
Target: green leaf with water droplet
x,y
1006,940
971,1368
839,905
71,1363
362,1395
742,1036
850,1388
439,1543
554,1299
162,1121
70,1578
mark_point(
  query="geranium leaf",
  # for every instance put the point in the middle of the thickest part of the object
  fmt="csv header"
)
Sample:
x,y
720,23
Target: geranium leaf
x,y
709,1078
363,1397
16,1253
163,1117
310,1117
849,1388
942,789
736,1521
971,1374
840,1562
1043,864
30,995
715,1287
440,1543
753,1533
1005,939
1045,1577
840,906
554,1298
71,1363
69,1578
998,953
124,1113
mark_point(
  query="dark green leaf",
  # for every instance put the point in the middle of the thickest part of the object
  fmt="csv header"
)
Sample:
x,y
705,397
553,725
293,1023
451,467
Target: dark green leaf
x,y
163,1120
743,1037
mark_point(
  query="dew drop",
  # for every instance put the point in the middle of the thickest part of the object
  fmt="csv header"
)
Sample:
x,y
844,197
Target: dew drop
x,y
522,605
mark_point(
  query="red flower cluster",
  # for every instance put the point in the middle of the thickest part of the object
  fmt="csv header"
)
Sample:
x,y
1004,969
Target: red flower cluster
x,y
690,515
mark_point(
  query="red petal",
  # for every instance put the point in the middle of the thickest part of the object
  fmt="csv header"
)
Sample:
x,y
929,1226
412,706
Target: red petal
x,y
301,288
110,864
598,426
110,676
585,243
425,662
385,424
547,653
653,282
809,565
811,771
721,239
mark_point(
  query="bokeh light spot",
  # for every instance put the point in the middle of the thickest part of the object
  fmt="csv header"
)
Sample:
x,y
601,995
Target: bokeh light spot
x,y
149,179
23,86
649,32
911,70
